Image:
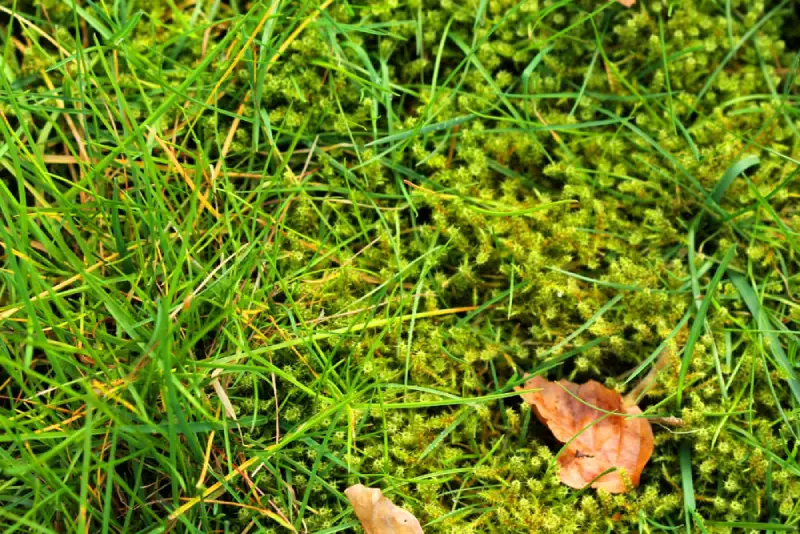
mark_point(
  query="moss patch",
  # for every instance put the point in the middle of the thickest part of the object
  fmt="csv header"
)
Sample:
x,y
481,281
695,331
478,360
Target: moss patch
x,y
374,219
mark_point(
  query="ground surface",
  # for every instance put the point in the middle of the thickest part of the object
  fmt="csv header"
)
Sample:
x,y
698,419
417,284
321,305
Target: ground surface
x,y
253,253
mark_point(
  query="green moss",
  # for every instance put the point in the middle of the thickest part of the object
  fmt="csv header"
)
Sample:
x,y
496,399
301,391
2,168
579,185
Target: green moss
x,y
398,219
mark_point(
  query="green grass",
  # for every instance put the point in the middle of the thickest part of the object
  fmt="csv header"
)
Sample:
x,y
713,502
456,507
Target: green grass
x,y
254,252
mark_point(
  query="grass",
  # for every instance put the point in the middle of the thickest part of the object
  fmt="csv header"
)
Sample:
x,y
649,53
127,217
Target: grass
x,y
254,252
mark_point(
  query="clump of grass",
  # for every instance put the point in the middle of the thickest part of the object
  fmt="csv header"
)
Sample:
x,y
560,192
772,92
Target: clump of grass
x,y
253,253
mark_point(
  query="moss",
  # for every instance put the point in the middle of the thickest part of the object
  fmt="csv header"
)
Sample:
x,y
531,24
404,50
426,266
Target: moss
x,y
625,230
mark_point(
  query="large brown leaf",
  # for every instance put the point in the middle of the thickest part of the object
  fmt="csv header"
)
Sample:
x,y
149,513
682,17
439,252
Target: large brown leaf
x,y
600,441
377,513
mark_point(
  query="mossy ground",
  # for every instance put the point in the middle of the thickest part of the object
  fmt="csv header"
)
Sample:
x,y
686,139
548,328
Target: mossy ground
x,y
253,253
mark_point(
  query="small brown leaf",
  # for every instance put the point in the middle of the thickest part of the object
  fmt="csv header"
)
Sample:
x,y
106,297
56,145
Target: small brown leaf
x,y
377,513
600,441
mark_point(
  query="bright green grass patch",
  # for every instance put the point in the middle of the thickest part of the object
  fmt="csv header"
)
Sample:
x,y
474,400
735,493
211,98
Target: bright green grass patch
x,y
254,252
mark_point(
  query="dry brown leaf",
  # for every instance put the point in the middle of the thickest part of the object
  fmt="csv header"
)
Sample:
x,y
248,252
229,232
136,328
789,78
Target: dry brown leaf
x,y
377,513
608,441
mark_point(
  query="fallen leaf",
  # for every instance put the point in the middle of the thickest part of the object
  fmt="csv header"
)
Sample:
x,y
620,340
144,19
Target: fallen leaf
x,y
599,441
377,513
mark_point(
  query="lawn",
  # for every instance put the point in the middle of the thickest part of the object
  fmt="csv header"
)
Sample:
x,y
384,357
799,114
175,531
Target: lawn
x,y
252,253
